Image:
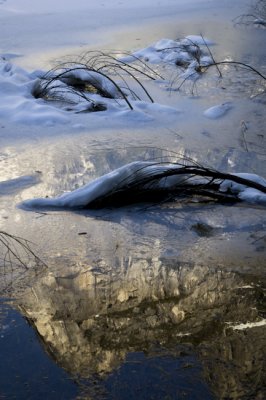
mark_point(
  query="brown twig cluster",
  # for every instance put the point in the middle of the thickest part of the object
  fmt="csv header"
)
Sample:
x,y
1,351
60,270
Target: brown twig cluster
x,y
15,252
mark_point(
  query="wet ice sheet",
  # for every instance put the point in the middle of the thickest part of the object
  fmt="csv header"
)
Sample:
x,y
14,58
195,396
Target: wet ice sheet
x,y
93,24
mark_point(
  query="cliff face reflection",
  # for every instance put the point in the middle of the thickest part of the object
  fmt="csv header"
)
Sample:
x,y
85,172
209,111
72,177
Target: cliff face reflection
x,y
90,319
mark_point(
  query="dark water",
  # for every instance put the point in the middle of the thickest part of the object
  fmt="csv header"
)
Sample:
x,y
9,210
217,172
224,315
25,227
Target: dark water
x,y
26,372
156,376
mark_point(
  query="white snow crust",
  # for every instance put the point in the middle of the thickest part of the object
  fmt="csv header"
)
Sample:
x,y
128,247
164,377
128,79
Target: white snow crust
x,y
17,102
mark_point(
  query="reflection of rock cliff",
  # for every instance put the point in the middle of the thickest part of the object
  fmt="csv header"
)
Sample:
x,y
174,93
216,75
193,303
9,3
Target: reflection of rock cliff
x,y
91,319
234,363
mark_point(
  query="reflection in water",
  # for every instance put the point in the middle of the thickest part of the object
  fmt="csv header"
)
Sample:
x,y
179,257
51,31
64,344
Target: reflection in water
x,y
92,319
130,292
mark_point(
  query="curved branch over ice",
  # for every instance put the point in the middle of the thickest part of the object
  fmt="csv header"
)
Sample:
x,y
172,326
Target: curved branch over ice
x,y
143,181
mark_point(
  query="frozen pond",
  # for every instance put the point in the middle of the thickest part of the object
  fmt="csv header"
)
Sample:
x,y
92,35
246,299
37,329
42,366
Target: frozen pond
x,y
147,300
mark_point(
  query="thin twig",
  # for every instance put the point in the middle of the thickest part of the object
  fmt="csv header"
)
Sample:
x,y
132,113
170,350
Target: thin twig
x,y
219,72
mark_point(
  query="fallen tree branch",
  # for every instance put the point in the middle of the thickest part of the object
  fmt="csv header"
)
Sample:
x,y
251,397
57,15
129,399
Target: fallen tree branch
x,y
144,187
154,182
14,244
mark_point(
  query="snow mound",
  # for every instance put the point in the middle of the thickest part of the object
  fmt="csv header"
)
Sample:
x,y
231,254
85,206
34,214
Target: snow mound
x,y
218,111
101,186
46,98
146,176
199,40
179,52
244,193
188,53
17,102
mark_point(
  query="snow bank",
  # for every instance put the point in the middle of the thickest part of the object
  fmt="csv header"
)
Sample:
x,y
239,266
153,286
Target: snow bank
x,y
99,80
17,102
76,100
260,22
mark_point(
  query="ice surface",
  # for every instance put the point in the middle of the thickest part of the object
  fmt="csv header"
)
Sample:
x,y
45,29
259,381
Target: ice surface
x,y
30,6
